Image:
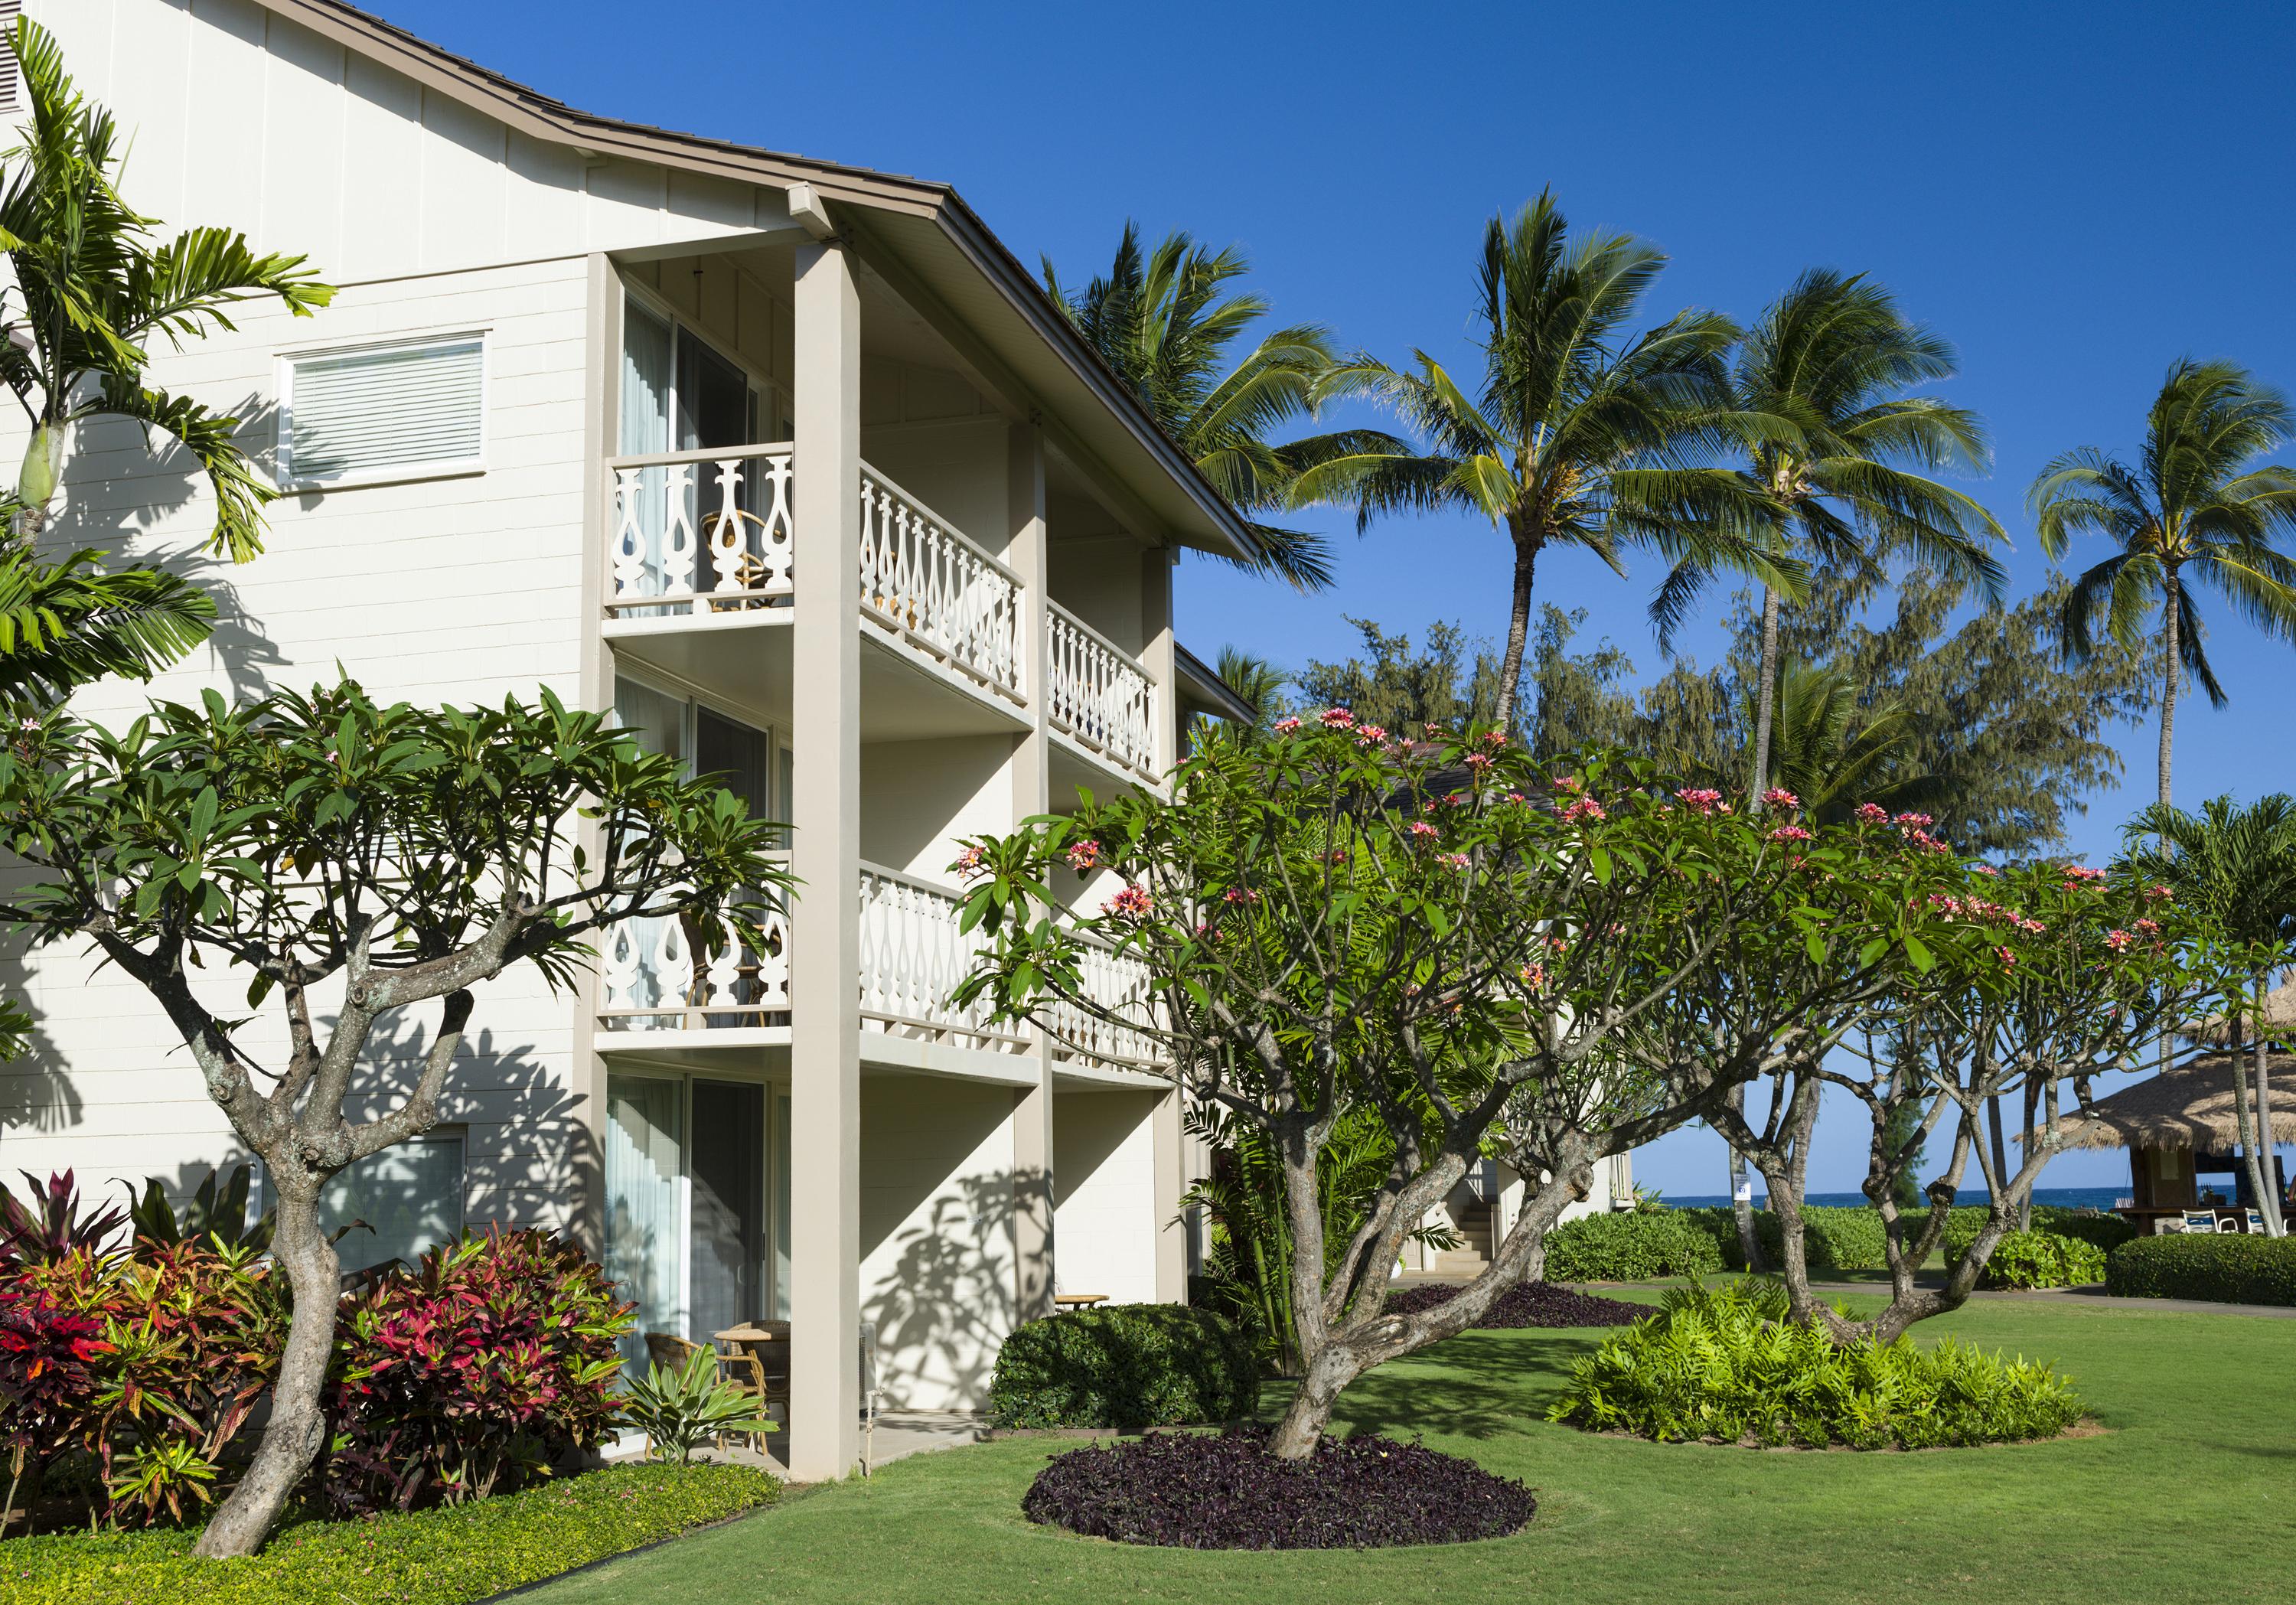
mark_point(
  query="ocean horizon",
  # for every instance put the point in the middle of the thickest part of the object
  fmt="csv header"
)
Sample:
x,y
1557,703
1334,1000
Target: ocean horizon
x,y
2063,1197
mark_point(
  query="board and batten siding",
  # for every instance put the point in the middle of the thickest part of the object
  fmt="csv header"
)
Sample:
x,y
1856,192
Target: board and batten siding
x,y
244,118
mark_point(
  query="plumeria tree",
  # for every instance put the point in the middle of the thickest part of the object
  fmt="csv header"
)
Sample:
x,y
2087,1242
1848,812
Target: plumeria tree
x,y
1432,927
347,863
2043,977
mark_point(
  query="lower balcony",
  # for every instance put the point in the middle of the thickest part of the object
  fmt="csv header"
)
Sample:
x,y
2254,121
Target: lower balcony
x,y
658,997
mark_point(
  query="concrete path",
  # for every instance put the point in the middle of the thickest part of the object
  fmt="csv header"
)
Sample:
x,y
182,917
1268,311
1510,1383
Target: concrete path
x,y
899,1434
2094,1294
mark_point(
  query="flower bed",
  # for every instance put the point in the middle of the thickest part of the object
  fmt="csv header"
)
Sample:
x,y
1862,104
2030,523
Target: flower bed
x,y
1226,1491
1530,1304
445,1556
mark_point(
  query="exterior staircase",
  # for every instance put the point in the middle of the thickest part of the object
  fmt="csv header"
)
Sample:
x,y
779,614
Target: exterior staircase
x,y
1473,1254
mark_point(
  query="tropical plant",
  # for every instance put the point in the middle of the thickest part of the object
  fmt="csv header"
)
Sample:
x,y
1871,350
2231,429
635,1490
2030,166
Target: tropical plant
x,y
221,1216
2191,510
1339,918
1164,322
93,292
1393,686
680,1409
1575,436
51,1227
2234,866
406,856
1827,441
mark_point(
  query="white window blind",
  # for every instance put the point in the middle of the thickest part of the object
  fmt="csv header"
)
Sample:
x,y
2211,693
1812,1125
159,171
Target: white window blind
x,y
384,409
11,88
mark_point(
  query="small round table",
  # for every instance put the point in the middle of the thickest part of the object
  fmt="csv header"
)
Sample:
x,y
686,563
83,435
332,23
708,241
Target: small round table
x,y
1078,1301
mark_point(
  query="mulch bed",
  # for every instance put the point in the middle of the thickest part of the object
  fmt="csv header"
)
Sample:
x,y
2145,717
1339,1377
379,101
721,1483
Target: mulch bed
x,y
1532,1304
1226,1491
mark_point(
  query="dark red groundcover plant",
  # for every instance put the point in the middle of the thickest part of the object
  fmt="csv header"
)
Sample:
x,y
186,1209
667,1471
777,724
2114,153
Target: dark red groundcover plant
x,y
1226,1491
1532,1304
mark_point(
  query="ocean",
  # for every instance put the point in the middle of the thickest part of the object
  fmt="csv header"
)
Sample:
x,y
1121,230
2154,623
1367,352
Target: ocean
x,y
2065,1198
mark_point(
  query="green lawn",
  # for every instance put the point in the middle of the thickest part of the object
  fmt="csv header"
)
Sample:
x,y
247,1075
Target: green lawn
x,y
2189,1495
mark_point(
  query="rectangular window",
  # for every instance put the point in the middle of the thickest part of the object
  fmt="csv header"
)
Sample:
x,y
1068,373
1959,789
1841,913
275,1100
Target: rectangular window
x,y
397,412
398,1204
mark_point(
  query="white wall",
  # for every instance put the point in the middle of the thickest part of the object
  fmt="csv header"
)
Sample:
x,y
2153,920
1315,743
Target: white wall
x,y
918,798
1104,1220
246,119
936,1258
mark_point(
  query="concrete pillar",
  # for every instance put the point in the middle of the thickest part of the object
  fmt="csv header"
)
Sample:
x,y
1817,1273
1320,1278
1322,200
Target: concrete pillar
x,y
1172,1231
1032,1107
824,853
1156,649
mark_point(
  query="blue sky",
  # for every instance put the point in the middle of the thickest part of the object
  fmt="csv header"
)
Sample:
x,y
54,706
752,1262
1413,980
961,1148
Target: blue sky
x,y
2074,195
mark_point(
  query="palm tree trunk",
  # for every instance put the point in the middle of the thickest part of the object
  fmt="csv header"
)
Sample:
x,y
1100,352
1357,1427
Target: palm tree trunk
x,y
2267,1191
1526,560
2172,672
1765,700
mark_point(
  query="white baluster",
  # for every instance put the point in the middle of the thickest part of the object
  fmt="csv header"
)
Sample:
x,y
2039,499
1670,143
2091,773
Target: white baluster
x,y
727,546
776,541
677,544
630,551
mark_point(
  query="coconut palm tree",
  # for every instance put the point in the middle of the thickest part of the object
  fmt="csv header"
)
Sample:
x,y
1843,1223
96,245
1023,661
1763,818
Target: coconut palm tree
x,y
92,292
2236,867
1829,444
1576,433
1834,754
2190,511
1165,325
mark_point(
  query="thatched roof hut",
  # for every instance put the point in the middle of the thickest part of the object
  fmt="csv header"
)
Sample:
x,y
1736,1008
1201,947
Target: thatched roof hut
x,y
2187,1106
2279,1019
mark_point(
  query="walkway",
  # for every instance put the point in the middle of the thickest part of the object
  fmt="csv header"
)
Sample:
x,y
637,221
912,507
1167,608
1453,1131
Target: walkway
x,y
2093,1294
899,1434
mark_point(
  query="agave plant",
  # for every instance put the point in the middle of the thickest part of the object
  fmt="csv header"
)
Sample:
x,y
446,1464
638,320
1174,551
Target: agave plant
x,y
51,1227
678,1410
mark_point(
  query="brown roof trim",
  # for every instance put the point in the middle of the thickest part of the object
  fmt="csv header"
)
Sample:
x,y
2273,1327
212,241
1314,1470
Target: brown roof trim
x,y
543,117
1200,681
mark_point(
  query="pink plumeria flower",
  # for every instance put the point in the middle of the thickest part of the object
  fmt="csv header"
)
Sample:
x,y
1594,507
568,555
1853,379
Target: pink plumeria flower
x,y
1422,830
1791,833
1083,856
1337,719
2119,941
1700,799
1778,797
1132,903
1458,860
1584,808
1286,726
1239,894
969,863
1369,735
1872,813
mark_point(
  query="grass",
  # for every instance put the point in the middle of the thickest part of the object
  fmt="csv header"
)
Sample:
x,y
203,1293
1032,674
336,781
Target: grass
x,y
2183,1498
436,1557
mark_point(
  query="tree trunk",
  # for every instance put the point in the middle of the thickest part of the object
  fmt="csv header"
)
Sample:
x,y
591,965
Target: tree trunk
x,y
2024,1219
1742,1201
1787,1183
1999,1139
1526,560
2172,675
1302,1428
2268,1191
298,1425
1765,701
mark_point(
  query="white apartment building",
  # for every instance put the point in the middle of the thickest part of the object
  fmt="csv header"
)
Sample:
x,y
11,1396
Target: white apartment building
x,y
795,468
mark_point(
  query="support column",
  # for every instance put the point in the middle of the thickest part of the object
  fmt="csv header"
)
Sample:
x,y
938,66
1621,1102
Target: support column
x,y
824,853
1032,1107
1172,1231
1156,656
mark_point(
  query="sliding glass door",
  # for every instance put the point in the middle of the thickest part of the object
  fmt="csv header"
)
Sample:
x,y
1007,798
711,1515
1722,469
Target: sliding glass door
x,y
645,1214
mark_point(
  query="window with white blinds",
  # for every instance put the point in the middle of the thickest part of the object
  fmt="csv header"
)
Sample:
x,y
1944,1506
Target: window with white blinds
x,y
384,411
11,87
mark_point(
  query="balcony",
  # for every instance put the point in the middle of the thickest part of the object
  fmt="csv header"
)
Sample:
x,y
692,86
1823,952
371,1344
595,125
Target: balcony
x,y
656,994
1099,699
707,540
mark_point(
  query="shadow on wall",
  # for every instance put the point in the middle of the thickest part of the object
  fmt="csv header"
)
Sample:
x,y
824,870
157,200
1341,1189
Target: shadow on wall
x,y
168,481
35,1093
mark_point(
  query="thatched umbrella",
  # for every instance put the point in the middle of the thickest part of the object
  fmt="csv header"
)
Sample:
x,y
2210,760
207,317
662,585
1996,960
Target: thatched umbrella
x,y
2188,1106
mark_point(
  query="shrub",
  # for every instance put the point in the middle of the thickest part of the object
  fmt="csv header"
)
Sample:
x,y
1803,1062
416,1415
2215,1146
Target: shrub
x,y
1723,1364
1126,1365
492,1361
1226,1491
1631,1248
439,1557
2227,1269
1527,1305
2032,1259
679,1410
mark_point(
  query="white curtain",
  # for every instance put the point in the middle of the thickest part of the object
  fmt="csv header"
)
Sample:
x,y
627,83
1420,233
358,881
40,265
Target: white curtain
x,y
644,1241
659,722
647,357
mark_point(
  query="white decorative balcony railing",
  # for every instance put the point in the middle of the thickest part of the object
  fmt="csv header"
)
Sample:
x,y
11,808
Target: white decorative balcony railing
x,y
701,532
927,582
913,955
1116,982
1098,694
652,979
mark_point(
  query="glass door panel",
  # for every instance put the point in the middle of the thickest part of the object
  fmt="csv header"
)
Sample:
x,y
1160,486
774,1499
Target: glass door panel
x,y
728,1206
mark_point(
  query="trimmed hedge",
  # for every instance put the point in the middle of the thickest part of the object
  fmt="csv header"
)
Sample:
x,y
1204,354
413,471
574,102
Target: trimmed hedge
x,y
448,1556
1721,1364
1128,1366
1631,1247
2221,1269
2101,1232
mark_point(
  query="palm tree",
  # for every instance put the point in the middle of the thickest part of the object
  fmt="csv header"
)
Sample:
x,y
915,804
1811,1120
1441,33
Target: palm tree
x,y
1827,443
2189,510
1835,755
2236,867
92,292
1164,324
1574,436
